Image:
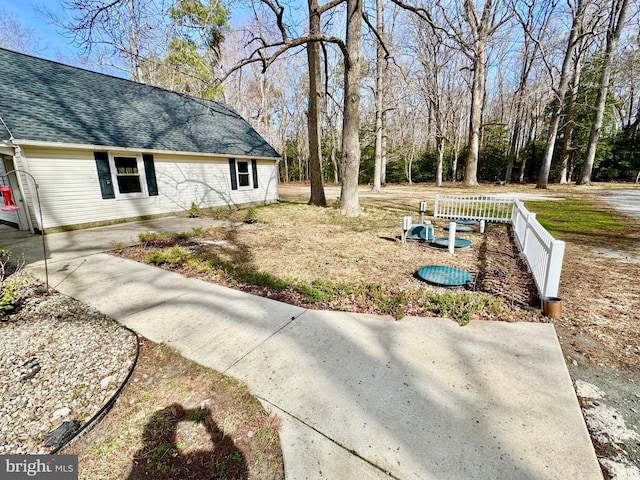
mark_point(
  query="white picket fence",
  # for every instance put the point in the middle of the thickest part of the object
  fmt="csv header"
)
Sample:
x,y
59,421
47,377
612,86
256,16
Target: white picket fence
x,y
474,207
543,253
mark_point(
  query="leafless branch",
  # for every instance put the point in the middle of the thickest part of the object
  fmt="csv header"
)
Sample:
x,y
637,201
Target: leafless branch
x,y
377,35
329,5
259,54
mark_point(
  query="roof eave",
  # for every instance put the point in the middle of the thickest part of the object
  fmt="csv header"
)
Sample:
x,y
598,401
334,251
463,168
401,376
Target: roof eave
x,y
79,146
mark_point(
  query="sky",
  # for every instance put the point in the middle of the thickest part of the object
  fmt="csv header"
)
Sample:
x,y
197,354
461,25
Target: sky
x,y
26,12
54,45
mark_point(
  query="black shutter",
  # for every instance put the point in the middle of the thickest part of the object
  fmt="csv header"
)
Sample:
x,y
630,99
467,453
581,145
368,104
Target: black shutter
x,y
254,168
104,174
232,171
150,173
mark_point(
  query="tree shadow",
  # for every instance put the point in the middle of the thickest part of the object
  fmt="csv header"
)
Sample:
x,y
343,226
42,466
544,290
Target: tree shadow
x,y
196,458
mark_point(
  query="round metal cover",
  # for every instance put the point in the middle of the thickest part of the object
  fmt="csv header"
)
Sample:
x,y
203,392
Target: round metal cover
x,y
444,242
444,276
462,228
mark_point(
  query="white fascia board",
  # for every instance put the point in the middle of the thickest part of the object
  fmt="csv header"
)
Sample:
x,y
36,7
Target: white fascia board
x,y
6,149
78,146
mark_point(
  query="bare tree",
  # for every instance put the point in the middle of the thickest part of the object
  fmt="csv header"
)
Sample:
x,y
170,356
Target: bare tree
x,y
432,54
568,148
533,17
317,196
117,33
616,23
17,37
578,11
268,51
333,112
381,70
471,31
349,203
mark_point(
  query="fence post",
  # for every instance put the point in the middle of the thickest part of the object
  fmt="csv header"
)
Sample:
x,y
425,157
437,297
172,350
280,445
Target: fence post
x,y
452,236
435,206
554,268
407,222
516,221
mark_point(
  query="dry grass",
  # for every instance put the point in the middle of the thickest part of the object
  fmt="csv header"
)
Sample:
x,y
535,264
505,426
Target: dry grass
x,y
304,243
317,258
177,419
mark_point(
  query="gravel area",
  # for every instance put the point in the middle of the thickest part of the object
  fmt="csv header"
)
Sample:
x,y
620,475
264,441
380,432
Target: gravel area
x,y
59,362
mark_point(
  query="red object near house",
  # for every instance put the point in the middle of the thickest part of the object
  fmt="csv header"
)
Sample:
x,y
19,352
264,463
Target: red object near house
x,y
8,200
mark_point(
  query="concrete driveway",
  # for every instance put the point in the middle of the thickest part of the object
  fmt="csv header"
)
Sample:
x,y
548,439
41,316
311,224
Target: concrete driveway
x,y
627,201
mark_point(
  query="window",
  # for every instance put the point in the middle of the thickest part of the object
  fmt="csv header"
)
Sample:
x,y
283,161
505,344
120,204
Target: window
x,y
243,174
127,174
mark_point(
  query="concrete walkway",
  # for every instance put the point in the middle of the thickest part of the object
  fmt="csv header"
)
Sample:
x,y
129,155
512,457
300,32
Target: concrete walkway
x,y
361,397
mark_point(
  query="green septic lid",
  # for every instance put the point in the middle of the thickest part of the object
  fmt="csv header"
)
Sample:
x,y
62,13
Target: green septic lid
x,y
417,232
420,232
444,276
459,243
462,228
464,221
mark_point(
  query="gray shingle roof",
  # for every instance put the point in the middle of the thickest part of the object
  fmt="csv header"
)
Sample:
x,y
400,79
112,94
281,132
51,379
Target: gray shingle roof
x,y
46,101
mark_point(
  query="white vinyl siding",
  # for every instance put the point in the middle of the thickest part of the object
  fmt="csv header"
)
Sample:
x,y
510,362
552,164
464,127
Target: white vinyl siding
x,y
70,190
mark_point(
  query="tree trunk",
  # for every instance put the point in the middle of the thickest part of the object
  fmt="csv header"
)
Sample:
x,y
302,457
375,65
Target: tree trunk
x,y
334,162
616,22
532,140
284,155
313,114
475,118
543,178
454,160
349,203
383,166
380,69
409,163
513,145
133,43
567,146
440,148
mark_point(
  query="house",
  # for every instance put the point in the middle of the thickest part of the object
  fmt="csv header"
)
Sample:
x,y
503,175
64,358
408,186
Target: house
x,y
103,149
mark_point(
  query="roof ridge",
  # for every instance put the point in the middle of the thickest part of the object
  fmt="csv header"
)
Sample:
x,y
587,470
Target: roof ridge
x,y
147,85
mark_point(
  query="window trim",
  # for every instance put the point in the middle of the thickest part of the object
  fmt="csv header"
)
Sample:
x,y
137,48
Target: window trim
x,y
247,174
234,172
141,173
